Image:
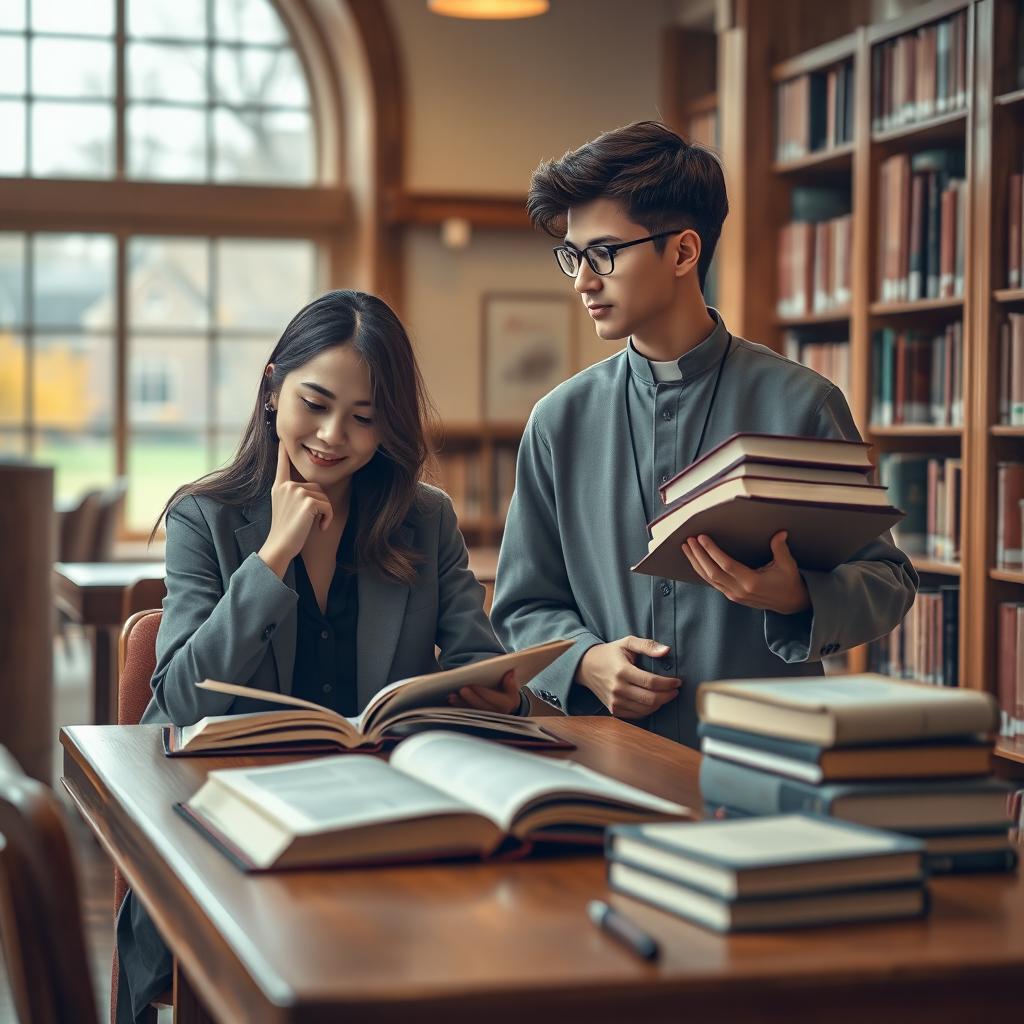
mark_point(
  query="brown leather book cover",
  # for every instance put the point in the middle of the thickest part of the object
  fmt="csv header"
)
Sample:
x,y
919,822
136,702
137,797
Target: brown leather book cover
x,y
821,536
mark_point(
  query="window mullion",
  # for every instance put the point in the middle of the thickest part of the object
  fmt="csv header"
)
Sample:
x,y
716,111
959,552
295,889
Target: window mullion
x,y
121,426
121,92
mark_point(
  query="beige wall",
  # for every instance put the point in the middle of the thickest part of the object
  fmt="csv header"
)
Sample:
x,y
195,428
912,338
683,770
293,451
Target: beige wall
x,y
485,102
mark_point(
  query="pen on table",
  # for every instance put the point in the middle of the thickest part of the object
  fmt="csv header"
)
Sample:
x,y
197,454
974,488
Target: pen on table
x,y
622,928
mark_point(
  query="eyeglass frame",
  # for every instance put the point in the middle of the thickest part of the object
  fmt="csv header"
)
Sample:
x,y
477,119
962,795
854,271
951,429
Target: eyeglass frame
x,y
612,249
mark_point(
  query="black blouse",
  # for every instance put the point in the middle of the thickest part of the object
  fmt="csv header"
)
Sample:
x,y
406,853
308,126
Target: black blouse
x,y
325,648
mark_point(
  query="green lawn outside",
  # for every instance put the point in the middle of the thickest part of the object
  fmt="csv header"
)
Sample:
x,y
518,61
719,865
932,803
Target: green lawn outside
x,y
155,470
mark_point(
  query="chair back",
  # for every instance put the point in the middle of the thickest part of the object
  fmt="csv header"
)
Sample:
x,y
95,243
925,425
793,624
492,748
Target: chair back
x,y
40,913
142,595
78,529
136,661
111,503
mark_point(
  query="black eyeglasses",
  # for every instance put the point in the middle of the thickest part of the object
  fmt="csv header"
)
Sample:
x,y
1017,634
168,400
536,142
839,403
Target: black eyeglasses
x,y
600,258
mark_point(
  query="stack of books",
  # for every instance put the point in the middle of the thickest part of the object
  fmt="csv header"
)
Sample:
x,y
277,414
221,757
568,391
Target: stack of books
x,y
777,872
751,486
910,758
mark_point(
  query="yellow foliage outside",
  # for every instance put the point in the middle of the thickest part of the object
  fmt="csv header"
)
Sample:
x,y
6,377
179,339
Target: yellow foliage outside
x,y
62,397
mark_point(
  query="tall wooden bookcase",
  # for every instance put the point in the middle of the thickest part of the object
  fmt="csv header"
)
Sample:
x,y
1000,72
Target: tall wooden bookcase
x,y
754,56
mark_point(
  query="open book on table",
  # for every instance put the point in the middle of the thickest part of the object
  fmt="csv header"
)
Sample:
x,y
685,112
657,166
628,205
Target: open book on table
x,y
401,708
441,795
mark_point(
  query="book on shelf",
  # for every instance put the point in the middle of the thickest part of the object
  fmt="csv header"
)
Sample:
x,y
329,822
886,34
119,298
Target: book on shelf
x,y
925,646
460,475
734,494
829,358
769,872
1009,532
920,74
814,253
843,711
921,209
1011,370
440,795
814,112
1010,668
917,378
814,762
400,708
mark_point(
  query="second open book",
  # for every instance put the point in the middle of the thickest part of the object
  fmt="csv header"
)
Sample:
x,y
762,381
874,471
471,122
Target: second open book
x,y
401,708
440,795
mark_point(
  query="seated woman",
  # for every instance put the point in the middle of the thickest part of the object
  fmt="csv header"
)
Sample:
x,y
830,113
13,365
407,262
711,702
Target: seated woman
x,y
316,563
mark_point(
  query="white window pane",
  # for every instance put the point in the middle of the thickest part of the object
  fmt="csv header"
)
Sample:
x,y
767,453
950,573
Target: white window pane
x,y
12,377
263,284
73,280
73,382
168,283
12,64
167,143
167,19
166,73
72,140
12,131
12,14
83,461
79,17
167,382
270,78
261,146
12,280
238,372
73,68
159,462
248,21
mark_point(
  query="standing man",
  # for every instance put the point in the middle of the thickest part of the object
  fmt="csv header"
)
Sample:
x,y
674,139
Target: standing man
x,y
641,212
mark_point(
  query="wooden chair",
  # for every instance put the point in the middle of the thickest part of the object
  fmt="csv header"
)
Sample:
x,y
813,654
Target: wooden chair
x,y
136,661
142,595
110,505
40,913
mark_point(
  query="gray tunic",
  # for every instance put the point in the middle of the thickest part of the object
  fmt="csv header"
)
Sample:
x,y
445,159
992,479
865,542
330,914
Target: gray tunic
x,y
576,525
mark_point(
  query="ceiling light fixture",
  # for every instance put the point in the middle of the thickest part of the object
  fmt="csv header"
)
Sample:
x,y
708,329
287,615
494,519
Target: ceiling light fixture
x,y
489,9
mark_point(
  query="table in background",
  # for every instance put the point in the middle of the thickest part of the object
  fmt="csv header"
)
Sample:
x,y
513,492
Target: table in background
x,y
504,942
92,593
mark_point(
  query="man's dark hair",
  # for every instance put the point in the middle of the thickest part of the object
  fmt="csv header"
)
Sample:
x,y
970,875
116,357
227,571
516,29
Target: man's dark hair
x,y
662,182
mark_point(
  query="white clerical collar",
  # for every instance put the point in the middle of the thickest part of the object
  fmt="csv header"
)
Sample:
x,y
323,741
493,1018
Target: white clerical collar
x,y
666,371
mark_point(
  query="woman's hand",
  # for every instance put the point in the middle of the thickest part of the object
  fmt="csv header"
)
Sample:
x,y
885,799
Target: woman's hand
x,y
296,506
504,699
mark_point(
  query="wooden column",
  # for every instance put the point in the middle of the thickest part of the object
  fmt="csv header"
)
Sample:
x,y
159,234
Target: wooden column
x,y
27,547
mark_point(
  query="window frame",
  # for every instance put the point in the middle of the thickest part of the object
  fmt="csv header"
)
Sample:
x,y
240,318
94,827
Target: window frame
x,y
123,208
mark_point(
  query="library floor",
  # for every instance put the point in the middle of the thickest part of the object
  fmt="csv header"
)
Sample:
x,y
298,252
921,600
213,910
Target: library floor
x,y
71,667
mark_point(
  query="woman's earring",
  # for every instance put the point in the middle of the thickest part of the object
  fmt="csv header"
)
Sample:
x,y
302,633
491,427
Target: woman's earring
x,y
268,414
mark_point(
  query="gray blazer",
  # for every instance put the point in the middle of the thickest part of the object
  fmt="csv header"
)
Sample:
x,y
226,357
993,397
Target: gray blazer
x,y
227,616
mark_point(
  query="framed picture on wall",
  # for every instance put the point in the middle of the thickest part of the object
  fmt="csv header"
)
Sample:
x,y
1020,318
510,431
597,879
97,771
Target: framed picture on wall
x,y
529,347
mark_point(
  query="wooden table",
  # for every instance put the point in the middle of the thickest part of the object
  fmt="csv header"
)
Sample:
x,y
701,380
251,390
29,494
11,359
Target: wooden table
x,y
92,593
511,942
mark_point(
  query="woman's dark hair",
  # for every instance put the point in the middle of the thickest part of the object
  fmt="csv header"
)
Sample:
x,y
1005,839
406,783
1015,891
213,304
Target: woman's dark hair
x,y
662,182
386,486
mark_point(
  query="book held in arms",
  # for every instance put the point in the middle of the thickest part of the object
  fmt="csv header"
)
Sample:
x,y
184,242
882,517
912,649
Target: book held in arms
x,y
752,486
771,872
880,752
440,795
401,708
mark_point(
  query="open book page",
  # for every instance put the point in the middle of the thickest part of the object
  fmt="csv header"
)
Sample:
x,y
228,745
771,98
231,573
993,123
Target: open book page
x,y
321,723
350,791
432,690
499,782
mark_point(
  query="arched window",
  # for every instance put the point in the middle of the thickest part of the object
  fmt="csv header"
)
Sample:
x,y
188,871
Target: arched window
x,y
166,205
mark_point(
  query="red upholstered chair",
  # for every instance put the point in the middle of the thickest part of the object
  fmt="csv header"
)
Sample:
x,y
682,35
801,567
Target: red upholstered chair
x,y
136,663
40,913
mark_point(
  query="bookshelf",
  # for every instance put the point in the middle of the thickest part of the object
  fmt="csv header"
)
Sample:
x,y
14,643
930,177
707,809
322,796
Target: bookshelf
x,y
475,463
757,53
